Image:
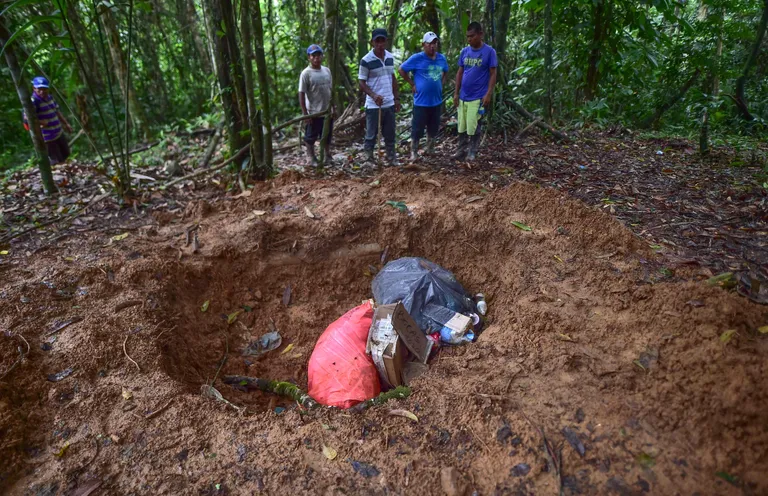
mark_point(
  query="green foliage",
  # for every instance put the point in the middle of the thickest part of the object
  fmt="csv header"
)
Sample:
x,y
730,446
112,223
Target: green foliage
x,y
640,54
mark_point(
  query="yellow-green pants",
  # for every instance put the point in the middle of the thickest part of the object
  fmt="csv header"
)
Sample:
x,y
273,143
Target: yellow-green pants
x,y
468,116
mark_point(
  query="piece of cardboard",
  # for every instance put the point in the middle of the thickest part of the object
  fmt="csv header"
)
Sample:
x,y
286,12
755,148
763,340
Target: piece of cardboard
x,y
392,335
455,321
393,363
383,346
412,370
412,336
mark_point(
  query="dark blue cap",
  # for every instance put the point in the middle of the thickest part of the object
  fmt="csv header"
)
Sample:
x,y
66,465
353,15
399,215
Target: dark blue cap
x,y
40,82
379,33
314,49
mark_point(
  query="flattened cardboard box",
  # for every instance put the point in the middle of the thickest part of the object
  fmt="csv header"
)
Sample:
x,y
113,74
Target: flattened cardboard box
x,y
392,329
412,336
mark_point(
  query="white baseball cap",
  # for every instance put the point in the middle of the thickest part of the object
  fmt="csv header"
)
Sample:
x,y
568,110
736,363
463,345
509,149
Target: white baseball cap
x,y
429,37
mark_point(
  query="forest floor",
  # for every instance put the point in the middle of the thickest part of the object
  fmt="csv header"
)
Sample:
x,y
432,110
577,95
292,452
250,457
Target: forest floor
x,y
608,364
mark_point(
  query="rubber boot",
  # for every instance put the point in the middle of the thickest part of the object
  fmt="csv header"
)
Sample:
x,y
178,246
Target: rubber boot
x,y
430,150
474,143
328,157
461,149
414,150
391,156
310,151
369,155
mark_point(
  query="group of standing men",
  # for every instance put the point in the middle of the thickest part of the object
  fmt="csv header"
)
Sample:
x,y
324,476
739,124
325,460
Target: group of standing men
x,y
426,73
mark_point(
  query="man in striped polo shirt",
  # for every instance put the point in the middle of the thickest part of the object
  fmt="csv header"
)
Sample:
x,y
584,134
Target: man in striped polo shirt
x,y
51,121
378,82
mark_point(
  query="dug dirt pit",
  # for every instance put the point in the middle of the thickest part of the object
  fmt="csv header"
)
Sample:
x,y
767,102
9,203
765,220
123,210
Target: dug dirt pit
x,y
597,373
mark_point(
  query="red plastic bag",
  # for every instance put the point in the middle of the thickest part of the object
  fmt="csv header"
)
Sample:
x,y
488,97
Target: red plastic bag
x,y
340,372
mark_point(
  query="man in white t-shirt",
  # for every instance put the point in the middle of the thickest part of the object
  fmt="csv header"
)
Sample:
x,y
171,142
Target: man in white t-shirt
x,y
378,82
315,85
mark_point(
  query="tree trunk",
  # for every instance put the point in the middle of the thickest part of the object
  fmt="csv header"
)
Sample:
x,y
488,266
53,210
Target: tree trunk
x,y
548,61
431,17
226,54
261,67
29,110
670,102
210,35
89,58
394,17
273,54
331,8
235,65
712,83
488,22
362,29
741,99
194,23
151,59
257,138
505,9
600,23
121,72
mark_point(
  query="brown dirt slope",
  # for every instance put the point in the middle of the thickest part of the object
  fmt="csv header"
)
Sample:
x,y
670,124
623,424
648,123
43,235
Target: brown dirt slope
x,y
624,373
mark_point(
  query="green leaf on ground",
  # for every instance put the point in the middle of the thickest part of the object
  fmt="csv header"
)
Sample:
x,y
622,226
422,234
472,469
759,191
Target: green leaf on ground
x,y
727,336
400,205
646,460
205,306
231,318
522,226
727,477
725,280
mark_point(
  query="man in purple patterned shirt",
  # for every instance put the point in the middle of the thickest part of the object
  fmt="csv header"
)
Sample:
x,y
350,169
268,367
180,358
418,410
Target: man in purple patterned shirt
x,y
51,121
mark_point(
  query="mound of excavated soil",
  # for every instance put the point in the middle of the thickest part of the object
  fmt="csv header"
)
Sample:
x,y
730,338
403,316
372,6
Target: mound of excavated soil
x,y
624,375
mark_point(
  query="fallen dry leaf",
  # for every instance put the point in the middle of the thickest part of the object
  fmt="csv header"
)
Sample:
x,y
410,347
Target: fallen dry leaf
x,y
329,452
287,349
404,413
233,316
727,336
309,213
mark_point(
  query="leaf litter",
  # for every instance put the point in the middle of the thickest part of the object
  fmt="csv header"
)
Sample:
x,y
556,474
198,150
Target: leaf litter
x,y
649,212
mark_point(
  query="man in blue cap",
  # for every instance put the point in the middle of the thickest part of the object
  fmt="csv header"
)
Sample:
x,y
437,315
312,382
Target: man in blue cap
x,y
51,121
315,84
429,71
382,101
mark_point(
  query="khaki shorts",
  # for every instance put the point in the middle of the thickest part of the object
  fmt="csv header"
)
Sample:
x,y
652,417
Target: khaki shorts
x,y
468,116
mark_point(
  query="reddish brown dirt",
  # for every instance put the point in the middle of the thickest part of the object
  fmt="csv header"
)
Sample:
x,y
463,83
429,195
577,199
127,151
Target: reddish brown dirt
x,y
584,334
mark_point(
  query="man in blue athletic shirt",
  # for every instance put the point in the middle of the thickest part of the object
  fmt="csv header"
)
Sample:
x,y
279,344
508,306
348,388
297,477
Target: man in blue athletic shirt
x,y
429,70
474,88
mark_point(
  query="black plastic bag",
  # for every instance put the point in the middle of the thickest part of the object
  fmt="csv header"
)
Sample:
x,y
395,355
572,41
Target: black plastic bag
x,y
416,282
